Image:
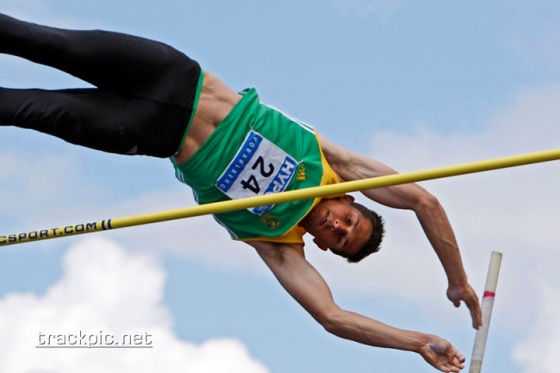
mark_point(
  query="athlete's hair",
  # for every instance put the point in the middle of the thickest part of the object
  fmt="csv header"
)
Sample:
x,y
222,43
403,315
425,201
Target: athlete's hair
x,y
373,244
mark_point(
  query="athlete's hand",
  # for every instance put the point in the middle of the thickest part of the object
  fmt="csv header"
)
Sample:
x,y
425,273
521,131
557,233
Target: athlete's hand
x,y
442,355
465,293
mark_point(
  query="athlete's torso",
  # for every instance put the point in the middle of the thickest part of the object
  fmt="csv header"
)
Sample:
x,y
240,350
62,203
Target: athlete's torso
x,y
254,150
215,102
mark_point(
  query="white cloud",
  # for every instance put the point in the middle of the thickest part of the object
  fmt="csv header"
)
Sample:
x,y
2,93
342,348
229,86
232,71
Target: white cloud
x,y
105,291
538,352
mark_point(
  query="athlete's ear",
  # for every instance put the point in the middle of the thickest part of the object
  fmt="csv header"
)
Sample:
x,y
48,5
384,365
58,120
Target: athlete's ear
x,y
320,245
349,198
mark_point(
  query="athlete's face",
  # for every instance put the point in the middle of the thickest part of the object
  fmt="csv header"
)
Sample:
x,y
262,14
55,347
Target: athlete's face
x,y
337,225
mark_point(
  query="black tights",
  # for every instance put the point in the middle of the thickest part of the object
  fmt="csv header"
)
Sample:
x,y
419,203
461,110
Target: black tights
x,y
143,98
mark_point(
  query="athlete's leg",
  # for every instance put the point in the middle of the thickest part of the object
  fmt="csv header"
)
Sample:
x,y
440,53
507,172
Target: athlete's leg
x,y
145,96
97,119
108,60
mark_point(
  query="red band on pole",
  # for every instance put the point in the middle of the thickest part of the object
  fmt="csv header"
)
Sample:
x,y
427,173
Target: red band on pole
x,y
489,294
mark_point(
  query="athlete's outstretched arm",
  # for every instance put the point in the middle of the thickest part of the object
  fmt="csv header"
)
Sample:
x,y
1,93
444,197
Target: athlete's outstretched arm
x,y
310,290
352,166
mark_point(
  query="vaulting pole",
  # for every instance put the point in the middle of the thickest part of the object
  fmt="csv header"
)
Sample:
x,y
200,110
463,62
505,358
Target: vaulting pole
x,y
487,306
321,191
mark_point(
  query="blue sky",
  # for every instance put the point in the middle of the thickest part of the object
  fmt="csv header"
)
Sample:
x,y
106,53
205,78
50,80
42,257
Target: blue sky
x,y
413,84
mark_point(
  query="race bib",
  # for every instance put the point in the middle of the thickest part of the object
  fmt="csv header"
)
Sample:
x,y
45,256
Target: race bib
x,y
259,168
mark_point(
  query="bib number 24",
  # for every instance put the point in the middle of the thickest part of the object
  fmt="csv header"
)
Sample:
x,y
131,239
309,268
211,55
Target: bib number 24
x,y
260,167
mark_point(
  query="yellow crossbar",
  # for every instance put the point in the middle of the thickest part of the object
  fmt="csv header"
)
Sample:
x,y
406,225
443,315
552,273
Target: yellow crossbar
x,y
321,191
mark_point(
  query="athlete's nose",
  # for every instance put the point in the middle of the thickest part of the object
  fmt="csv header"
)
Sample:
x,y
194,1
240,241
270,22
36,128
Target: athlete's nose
x,y
335,224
